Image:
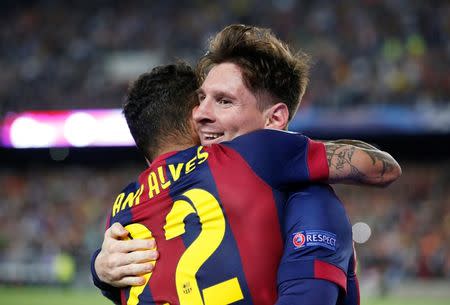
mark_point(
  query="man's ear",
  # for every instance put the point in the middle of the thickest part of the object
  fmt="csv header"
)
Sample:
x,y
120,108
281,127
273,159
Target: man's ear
x,y
277,116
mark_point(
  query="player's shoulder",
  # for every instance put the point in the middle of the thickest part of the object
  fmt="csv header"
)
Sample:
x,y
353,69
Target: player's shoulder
x,y
268,132
131,187
267,137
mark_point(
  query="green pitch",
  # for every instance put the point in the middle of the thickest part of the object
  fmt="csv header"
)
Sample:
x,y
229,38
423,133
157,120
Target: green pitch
x,y
50,296
54,296
405,301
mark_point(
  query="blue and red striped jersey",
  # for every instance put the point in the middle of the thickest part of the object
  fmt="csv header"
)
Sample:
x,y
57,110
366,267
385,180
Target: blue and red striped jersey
x,y
216,214
318,250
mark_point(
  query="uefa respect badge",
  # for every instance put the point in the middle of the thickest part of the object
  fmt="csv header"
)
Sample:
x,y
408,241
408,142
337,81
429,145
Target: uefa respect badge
x,y
309,238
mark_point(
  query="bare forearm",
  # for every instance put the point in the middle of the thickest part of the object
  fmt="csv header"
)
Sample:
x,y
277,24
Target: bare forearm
x,y
357,165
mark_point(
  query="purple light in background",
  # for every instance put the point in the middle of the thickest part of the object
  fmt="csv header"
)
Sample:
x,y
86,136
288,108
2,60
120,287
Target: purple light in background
x,y
66,128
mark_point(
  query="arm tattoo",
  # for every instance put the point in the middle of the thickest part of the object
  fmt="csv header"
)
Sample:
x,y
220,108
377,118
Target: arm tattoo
x,y
331,150
341,163
385,161
339,156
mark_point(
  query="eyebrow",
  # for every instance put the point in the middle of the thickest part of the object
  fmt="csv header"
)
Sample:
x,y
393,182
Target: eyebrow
x,y
225,94
216,93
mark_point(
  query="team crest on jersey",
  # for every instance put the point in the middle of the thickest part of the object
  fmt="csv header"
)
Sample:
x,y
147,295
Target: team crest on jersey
x,y
309,238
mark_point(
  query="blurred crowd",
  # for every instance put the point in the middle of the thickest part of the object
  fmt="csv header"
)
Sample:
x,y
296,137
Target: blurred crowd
x,y
61,54
410,223
62,210
55,210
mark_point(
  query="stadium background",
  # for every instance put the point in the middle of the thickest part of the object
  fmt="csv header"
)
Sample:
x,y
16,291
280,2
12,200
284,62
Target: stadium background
x,y
381,74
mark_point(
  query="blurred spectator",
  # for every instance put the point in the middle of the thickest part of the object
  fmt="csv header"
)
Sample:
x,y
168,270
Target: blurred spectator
x,y
47,211
59,54
410,222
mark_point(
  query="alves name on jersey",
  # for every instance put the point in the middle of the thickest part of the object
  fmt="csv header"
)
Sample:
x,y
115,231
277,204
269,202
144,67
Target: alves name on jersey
x,y
215,213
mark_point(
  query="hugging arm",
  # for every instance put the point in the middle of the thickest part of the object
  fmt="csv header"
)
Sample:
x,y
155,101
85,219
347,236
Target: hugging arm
x,y
356,162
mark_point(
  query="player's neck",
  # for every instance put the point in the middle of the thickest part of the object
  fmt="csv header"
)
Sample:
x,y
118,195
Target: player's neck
x,y
174,143
169,148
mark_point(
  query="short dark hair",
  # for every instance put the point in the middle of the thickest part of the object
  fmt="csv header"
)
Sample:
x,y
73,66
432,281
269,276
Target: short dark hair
x,y
158,106
266,63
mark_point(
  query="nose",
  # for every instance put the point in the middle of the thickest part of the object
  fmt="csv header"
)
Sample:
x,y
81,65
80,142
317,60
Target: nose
x,y
203,113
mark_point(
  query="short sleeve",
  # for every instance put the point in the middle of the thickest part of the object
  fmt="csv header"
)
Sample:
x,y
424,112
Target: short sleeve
x,y
283,159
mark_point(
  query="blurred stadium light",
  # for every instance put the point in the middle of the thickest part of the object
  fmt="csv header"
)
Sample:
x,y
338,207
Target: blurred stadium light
x,y
107,127
379,120
65,128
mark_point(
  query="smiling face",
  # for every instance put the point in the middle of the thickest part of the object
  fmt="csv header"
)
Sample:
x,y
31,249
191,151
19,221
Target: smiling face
x,y
227,108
